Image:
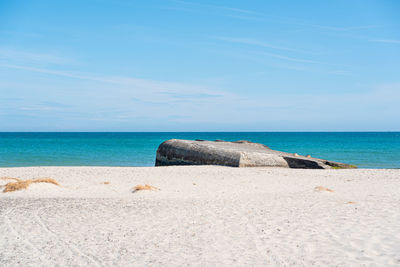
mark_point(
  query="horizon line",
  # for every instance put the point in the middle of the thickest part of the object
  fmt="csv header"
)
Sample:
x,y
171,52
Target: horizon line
x,y
383,131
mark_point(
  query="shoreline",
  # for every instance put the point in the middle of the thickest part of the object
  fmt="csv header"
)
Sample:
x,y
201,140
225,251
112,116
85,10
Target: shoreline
x,y
211,215
187,166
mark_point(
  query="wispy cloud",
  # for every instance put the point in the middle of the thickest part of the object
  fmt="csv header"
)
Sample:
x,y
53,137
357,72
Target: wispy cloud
x,y
345,28
227,8
192,95
247,14
9,54
47,71
22,34
144,90
45,106
254,42
244,17
340,72
387,41
90,97
361,33
127,103
289,58
54,104
217,10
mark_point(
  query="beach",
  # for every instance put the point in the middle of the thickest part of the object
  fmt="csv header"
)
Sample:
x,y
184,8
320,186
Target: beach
x,y
201,215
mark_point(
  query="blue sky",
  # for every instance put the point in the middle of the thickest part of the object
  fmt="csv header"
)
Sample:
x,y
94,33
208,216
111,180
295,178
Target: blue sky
x,y
199,65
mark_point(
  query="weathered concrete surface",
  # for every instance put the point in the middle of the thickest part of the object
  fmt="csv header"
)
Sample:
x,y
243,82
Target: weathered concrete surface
x,y
235,154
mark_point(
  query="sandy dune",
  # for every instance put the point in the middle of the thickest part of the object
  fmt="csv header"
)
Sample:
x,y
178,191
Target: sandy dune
x,y
202,215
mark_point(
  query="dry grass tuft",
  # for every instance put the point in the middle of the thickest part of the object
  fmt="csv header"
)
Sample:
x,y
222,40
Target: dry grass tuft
x,y
24,184
10,178
106,182
350,202
144,187
45,180
321,188
14,186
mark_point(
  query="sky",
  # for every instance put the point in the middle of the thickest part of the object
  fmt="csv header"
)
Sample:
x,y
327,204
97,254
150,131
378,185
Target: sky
x,y
178,65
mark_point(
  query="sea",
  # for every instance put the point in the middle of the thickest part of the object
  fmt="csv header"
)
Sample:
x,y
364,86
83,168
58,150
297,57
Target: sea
x,y
17,149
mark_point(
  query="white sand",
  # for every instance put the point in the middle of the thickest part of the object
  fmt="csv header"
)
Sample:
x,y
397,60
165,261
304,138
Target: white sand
x,y
201,216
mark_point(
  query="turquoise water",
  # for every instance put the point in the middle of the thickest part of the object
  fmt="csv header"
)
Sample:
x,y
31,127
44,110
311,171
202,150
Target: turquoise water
x,y
364,149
